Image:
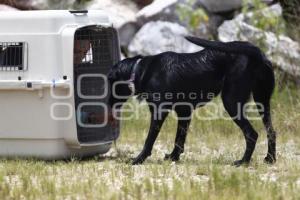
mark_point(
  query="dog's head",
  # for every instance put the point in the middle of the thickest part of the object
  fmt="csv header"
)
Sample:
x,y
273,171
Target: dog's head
x,y
118,78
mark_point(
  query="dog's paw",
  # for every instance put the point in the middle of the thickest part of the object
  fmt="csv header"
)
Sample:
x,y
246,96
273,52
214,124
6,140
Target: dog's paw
x,y
270,159
172,157
239,163
138,161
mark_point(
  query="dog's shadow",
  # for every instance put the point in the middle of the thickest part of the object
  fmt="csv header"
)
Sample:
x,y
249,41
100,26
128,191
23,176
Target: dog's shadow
x,y
127,157
117,156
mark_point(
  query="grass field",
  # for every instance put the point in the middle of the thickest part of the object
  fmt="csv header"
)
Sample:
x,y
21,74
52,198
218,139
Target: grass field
x,y
204,172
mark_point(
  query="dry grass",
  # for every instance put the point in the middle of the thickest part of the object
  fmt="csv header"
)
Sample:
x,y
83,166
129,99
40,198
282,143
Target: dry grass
x,y
204,172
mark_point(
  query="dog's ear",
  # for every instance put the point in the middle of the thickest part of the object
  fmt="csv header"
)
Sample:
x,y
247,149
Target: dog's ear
x,y
111,76
113,72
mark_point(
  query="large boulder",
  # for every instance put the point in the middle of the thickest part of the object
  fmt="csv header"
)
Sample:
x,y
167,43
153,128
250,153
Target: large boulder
x,y
120,11
167,10
283,51
126,33
159,10
157,37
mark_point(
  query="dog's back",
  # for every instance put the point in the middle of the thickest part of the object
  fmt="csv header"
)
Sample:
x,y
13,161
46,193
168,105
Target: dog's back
x,y
256,60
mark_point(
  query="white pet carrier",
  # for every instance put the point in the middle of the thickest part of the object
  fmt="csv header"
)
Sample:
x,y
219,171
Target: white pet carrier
x,y
53,86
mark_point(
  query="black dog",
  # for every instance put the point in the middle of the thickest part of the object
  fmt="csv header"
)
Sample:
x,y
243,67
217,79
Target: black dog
x,y
236,69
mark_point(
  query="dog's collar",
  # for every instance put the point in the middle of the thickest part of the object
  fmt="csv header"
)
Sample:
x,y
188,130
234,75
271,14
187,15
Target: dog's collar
x,y
132,77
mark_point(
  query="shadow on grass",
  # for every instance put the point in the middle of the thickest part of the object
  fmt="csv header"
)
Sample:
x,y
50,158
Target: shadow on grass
x,y
126,157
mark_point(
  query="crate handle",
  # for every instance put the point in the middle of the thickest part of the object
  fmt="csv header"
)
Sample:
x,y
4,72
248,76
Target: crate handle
x,y
79,12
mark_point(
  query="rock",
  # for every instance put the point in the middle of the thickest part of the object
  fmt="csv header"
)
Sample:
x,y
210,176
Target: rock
x,y
214,22
157,37
220,6
123,15
122,57
53,4
142,3
159,10
167,10
282,51
120,11
127,32
6,8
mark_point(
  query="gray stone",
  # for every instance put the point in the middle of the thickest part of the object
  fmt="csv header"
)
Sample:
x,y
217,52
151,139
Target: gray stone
x,y
163,10
157,37
167,10
52,4
127,32
282,51
120,11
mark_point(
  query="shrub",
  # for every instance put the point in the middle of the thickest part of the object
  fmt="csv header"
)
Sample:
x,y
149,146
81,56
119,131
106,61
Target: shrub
x,y
191,16
267,21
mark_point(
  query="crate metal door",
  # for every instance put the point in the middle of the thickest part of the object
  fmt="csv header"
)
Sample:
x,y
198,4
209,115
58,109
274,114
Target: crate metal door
x,y
96,50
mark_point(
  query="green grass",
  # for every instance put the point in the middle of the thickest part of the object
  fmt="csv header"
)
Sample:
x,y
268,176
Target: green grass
x,y
204,172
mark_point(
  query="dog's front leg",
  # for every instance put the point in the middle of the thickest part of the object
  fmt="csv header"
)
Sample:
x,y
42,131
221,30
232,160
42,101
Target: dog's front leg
x,y
157,121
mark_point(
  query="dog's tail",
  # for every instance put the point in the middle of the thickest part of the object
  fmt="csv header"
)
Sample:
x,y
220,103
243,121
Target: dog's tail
x,y
236,47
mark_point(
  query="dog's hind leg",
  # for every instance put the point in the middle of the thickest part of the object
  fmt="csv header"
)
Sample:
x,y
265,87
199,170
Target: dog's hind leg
x,y
234,104
184,119
262,93
271,133
157,120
